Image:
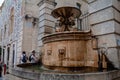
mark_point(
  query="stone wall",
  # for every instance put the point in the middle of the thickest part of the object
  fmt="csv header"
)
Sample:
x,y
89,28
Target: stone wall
x,y
46,21
102,14
16,37
105,23
24,34
23,28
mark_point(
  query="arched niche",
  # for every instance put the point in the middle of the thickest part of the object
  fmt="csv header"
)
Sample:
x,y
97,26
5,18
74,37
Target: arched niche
x,y
11,21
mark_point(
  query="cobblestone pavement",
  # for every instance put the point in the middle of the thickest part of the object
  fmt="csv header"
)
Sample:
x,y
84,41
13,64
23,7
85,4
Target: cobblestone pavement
x,y
6,77
11,77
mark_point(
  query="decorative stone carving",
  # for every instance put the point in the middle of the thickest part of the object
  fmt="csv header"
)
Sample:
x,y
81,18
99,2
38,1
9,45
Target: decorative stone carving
x,y
61,51
49,52
66,17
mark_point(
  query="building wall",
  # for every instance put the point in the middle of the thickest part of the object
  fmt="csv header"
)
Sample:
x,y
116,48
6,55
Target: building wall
x,y
101,16
8,40
23,36
105,24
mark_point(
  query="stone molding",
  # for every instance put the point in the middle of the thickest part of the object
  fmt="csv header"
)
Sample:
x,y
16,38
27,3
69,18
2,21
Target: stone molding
x,y
60,36
104,9
47,1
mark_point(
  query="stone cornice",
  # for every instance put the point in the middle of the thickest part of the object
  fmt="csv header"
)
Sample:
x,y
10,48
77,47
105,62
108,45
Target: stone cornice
x,y
89,1
46,1
111,6
116,33
64,36
105,21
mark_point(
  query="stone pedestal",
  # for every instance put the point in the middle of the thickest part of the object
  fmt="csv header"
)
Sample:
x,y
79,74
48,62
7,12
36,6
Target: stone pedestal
x,y
67,50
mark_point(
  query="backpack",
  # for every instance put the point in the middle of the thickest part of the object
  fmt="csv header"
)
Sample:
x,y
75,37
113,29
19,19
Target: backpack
x,y
30,58
24,59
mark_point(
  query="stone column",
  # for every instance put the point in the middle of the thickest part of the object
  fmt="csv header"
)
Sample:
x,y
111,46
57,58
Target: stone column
x,y
105,24
46,21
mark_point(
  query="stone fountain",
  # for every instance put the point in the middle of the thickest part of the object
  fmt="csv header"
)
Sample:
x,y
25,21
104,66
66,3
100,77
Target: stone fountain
x,y
68,49
69,54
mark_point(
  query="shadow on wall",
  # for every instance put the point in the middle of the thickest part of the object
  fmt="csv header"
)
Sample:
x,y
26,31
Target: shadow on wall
x,y
110,65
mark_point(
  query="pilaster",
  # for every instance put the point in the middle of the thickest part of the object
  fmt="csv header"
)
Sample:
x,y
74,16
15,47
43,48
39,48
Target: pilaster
x,y
46,21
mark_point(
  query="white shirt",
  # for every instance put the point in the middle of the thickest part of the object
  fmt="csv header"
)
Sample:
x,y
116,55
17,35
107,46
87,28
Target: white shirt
x,y
33,59
21,57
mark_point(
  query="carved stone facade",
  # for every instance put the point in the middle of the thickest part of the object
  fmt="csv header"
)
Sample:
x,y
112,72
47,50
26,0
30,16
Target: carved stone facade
x,y
24,22
19,29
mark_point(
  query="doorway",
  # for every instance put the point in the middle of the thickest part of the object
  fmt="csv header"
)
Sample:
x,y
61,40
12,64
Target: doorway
x,y
8,55
13,58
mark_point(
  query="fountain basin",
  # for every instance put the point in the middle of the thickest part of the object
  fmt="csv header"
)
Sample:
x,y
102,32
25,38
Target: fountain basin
x,y
47,75
69,49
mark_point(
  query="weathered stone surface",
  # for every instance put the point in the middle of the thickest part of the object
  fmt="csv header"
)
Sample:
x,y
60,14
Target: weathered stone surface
x,y
109,40
110,75
76,50
100,21
99,4
116,4
46,22
46,16
105,13
113,57
104,28
46,10
101,16
117,27
46,5
116,14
